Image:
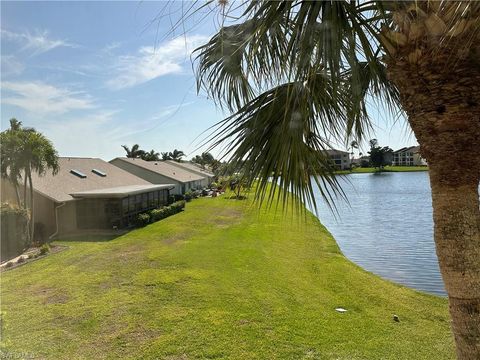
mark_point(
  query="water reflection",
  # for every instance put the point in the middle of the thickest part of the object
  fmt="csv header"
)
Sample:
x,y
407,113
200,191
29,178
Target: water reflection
x,y
387,228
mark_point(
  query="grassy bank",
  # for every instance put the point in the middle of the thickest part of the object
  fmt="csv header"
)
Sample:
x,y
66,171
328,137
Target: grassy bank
x,y
361,170
216,281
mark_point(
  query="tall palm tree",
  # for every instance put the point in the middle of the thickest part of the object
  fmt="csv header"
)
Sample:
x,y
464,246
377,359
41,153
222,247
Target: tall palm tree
x,y
296,74
134,152
9,165
28,151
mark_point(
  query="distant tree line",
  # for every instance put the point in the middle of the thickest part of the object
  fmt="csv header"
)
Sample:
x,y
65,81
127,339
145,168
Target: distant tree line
x,y
152,155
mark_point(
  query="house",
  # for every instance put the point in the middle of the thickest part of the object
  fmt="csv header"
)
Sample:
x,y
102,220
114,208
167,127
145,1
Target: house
x,y
87,195
340,159
162,172
408,156
197,169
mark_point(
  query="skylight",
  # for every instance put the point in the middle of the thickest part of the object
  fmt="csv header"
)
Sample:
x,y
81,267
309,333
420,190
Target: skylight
x,y
78,173
99,172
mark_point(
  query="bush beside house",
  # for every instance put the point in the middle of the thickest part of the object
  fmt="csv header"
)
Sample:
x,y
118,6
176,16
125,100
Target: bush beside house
x,y
14,231
152,216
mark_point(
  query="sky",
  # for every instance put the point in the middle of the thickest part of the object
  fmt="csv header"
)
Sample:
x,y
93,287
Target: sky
x,y
93,76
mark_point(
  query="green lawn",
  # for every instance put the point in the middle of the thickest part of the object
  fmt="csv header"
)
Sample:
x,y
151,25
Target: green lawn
x,y
218,281
387,169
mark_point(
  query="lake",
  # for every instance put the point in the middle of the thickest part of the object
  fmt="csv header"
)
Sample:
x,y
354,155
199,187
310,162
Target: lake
x,y
387,227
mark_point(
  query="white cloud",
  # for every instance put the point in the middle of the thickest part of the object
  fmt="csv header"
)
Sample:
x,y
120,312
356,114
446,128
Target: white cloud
x,y
150,63
11,66
42,99
86,135
37,43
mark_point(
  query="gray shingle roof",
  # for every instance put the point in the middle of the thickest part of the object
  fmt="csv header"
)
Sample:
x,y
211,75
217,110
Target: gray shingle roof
x,y
60,186
166,169
192,167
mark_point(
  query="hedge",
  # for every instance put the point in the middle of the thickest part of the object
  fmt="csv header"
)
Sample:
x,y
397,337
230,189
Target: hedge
x,y
14,234
159,214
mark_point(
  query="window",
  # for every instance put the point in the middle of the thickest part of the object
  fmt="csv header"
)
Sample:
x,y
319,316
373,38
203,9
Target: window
x,y
78,173
151,201
99,172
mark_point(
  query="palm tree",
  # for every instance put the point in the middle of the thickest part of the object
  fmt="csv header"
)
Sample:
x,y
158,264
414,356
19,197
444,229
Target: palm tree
x,y
135,152
151,156
26,151
10,170
166,156
176,155
297,74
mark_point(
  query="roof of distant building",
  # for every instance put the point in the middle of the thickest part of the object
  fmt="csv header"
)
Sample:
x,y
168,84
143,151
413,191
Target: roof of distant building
x,y
164,168
335,151
192,167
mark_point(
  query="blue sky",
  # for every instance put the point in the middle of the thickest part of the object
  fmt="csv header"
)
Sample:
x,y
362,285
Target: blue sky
x,y
95,75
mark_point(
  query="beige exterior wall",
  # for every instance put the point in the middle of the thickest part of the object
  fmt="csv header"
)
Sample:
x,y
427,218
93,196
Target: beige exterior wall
x,y
67,218
148,175
44,212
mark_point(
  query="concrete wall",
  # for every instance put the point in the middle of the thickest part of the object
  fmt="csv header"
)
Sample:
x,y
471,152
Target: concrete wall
x,y
148,175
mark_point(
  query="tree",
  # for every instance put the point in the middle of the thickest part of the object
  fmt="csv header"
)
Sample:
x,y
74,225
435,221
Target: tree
x,y
296,74
27,151
166,156
203,160
150,156
176,155
135,152
380,156
9,165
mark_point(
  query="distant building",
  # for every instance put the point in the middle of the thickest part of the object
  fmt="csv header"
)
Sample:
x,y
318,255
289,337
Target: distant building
x,y
408,156
340,159
88,195
163,172
187,165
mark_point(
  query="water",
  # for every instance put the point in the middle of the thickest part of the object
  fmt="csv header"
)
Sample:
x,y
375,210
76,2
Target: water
x,y
387,228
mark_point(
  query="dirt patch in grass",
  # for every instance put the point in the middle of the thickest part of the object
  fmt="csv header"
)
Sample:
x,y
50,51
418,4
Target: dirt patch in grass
x,y
170,240
176,357
226,217
50,295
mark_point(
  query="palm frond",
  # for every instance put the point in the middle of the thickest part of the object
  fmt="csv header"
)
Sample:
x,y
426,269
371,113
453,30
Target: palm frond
x,y
280,138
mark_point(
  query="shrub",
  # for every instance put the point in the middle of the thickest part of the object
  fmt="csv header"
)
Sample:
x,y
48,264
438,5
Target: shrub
x,y
142,220
14,230
174,198
166,211
30,256
9,264
44,249
20,260
189,196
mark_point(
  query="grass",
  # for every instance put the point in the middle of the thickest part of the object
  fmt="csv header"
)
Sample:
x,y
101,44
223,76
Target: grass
x,y
360,170
218,281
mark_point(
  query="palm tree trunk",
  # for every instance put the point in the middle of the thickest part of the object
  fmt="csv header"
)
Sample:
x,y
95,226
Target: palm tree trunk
x,y
32,219
17,194
457,238
25,190
442,101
